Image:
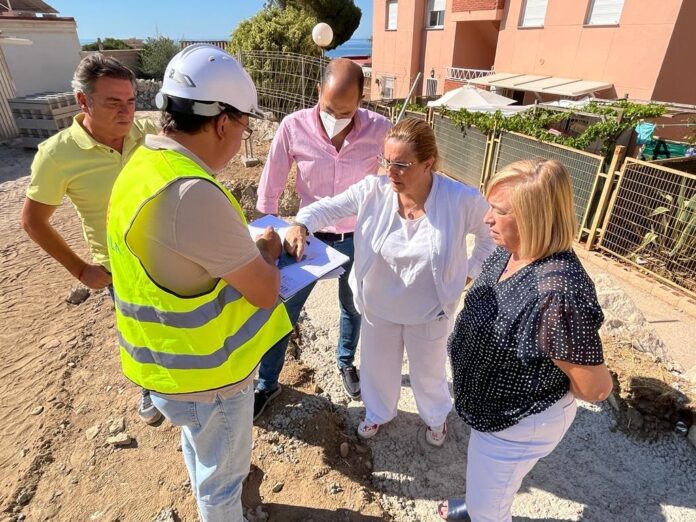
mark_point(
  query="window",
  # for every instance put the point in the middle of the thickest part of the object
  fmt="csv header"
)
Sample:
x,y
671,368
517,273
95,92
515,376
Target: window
x,y
436,14
430,87
388,87
605,12
392,14
533,13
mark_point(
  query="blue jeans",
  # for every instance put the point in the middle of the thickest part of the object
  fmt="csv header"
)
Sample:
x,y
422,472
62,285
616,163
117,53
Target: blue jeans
x,y
216,443
349,325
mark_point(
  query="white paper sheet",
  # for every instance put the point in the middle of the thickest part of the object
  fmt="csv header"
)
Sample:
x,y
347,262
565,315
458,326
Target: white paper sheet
x,y
319,261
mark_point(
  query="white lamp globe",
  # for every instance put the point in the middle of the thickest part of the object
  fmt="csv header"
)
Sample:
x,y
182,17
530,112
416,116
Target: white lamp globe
x,y
322,34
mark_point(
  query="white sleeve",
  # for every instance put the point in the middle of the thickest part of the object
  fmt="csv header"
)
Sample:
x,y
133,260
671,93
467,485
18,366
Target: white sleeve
x,y
484,245
328,211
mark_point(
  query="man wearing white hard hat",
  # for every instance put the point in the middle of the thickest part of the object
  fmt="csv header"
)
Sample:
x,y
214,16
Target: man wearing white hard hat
x,y
196,299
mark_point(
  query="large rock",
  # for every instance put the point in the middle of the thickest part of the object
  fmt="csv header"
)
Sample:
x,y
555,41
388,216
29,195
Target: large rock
x,y
78,295
624,320
121,439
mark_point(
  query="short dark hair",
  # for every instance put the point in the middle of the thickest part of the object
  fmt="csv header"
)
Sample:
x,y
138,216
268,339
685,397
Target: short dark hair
x,y
192,123
98,65
328,71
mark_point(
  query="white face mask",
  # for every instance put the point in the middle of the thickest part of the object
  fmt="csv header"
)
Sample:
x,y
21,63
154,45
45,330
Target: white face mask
x,y
332,126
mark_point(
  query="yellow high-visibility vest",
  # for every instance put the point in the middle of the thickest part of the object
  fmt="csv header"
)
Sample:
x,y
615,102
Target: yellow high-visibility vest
x,y
171,343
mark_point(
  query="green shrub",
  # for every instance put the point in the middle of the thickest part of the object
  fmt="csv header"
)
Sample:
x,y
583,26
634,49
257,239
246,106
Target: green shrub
x,y
108,44
155,56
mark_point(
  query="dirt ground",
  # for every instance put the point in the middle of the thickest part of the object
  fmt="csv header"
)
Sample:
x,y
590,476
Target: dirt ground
x,y
63,394
62,390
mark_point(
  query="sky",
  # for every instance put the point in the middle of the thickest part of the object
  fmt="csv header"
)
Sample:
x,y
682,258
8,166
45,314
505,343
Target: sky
x,y
191,20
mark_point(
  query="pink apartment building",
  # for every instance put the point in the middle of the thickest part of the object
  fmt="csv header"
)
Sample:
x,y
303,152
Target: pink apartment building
x,y
539,49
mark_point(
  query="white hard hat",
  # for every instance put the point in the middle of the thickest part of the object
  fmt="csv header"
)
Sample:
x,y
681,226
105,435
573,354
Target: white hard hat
x,y
203,79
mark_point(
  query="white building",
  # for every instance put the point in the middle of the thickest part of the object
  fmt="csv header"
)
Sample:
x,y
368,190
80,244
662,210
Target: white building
x,y
46,65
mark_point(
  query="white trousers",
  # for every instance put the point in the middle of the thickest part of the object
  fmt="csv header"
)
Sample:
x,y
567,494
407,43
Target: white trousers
x,y
497,462
381,357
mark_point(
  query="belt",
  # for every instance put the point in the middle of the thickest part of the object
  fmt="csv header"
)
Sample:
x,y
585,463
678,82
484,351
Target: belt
x,y
328,236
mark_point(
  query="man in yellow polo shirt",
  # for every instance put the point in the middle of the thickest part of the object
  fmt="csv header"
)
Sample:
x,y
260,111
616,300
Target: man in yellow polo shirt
x,y
82,163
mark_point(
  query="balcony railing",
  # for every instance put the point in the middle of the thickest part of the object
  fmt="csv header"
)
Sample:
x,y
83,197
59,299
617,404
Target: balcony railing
x,y
463,75
222,44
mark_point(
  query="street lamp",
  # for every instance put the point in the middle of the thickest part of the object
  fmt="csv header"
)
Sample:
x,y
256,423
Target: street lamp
x,y
322,34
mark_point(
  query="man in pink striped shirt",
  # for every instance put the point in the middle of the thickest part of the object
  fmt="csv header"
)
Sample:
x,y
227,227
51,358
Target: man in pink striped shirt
x,y
334,145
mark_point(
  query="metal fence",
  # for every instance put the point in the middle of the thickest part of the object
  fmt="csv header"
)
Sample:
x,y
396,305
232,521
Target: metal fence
x,y
414,115
462,151
380,108
286,82
583,167
651,222
648,217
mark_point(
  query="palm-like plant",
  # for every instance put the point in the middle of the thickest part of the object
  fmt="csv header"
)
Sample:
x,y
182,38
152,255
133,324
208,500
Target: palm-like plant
x,y
672,234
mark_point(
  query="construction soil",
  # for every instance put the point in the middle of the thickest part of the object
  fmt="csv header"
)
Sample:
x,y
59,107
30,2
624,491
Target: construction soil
x,y
62,395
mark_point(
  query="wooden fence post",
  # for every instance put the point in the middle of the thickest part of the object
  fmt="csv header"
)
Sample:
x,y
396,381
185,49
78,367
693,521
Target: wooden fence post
x,y
488,159
608,196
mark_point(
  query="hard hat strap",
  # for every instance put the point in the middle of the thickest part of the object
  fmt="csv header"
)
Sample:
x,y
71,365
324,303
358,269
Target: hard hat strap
x,y
182,105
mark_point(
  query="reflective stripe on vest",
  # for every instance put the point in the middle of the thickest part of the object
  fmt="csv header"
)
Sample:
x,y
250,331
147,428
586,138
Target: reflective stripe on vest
x,y
170,343
177,361
192,319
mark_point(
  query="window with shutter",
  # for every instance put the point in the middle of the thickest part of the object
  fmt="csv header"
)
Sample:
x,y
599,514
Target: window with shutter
x,y
534,13
436,13
605,12
430,87
388,89
392,13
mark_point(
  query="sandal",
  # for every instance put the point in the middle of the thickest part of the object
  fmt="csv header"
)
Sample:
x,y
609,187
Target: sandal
x,y
435,436
456,510
367,430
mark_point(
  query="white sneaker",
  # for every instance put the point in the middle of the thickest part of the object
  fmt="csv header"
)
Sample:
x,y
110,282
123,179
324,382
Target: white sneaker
x,y
435,436
367,430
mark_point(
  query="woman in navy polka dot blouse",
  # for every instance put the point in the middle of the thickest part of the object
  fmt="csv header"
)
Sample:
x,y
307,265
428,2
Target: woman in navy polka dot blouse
x,y
526,344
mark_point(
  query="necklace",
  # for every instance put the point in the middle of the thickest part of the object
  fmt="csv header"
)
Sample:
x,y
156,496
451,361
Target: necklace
x,y
409,211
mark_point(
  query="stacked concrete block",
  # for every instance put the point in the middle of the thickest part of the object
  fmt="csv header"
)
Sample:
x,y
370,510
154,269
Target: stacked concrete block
x,y
40,116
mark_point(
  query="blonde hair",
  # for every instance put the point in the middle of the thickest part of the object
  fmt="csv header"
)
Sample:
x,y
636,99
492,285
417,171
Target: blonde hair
x,y
541,196
419,135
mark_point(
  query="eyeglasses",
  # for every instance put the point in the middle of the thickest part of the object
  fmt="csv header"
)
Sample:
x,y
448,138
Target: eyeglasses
x,y
248,129
398,166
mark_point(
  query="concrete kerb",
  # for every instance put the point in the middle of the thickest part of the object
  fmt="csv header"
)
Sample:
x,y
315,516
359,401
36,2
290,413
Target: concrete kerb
x,y
669,296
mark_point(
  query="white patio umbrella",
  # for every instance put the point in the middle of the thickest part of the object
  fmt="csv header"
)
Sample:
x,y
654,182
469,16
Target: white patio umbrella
x,y
468,97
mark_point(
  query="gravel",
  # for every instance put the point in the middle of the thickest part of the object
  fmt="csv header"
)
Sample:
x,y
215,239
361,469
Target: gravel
x,y
597,473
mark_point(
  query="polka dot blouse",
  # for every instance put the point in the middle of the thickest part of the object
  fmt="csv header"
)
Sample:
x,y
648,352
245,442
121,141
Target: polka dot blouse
x,y
508,332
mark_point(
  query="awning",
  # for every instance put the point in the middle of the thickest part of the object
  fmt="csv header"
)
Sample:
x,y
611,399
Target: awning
x,y
470,96
542,84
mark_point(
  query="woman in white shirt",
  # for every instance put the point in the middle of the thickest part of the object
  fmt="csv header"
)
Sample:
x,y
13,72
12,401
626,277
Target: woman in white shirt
x,y
411,266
